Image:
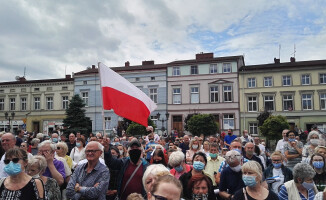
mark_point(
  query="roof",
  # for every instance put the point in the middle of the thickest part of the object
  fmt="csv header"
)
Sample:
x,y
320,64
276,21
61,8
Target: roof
x,y
37,81
209,60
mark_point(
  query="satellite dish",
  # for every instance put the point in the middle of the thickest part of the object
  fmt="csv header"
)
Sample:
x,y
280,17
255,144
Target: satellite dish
x,y
17,78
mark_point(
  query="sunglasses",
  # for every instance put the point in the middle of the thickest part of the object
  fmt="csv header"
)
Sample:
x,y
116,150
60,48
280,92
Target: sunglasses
x,y
58,148
14,160
157,197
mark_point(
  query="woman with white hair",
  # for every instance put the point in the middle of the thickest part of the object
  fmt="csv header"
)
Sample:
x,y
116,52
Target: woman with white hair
x,y
252,176
193,148
302,186
151,174
313,141
34,146
178,164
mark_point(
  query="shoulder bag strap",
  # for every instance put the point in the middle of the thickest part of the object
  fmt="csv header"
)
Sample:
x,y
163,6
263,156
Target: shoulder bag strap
x,y
132,175
245,193
1,181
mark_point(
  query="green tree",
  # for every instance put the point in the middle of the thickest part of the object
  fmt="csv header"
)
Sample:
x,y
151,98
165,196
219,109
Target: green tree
x,y
187,119
273,126
262,117
202,124
76,119
136,129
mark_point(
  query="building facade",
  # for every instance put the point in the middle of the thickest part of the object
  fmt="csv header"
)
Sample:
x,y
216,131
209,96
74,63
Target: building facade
x,y
37,105
206,85
296,90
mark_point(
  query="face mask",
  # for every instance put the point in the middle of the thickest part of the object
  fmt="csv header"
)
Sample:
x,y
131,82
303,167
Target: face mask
x,y
179,168
36,176
200,196
78,145
114,156
198,166
121,152
318,164
13,168
213,155
148,132
277,165
291,140
238,150
236,169
55,140
314,142
134,155
194,146
249,153
308,186
249,181
229,133
157,162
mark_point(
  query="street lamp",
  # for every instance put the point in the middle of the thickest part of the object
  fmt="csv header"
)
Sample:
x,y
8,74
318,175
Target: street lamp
x,y
163,120
9,118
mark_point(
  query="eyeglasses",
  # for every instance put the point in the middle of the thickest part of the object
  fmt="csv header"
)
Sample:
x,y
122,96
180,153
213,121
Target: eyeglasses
x,y
91,151
14,160
158,197
58,148
276,161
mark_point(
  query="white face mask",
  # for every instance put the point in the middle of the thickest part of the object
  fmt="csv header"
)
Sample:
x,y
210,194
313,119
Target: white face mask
x,y
36,176
121,152
237,168
314,142
194,146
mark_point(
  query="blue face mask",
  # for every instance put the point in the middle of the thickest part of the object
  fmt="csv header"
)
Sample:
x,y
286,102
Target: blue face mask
x,y
179,168
249,181
213,155
277,165
55,140
238,150
308,186
13,168
78,145
291,140
198,166
318,164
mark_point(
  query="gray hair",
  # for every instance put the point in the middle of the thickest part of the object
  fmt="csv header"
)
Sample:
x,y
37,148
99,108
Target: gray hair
x,y
232,156
98,144
155,170
39,136
302,171
64,146
40,161
35,141
311,133
176,158
47,142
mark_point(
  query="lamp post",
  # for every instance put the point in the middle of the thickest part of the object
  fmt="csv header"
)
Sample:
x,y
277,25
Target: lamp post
x,y
163,120
9,118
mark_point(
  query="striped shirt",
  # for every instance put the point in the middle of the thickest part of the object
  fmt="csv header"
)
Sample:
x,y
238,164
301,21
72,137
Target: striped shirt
x,y
283,194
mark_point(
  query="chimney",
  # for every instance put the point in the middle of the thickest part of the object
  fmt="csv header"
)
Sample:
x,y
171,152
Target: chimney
x,y
22,78
68,76
204,56
148,62
277,61
127,64
93,66
292,59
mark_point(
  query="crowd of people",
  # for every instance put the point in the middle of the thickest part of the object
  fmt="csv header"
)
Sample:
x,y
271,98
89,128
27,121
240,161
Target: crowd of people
x,y
76,166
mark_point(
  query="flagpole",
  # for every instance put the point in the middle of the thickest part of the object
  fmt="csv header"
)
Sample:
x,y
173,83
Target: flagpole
x,y
103,119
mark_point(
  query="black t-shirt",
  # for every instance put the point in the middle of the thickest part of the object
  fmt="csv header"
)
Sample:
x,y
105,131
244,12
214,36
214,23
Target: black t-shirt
x,y
240,196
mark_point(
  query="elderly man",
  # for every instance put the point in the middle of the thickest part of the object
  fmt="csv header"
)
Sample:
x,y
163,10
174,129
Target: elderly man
x,y
91,179
72,143
131,169
249,154
55,138
150,130
8,141
281,142
185,145
245,137
231,177
55,167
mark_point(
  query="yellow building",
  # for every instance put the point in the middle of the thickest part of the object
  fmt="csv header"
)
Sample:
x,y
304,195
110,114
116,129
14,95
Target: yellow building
x,y
296,90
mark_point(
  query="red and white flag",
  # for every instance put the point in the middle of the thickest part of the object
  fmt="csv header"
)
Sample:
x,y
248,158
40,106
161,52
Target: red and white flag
x,y
123,97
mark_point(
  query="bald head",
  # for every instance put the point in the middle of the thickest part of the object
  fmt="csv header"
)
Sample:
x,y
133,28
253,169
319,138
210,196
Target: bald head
x,y
8,141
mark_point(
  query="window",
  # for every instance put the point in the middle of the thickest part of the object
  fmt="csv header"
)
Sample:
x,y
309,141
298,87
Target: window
x,y
37,103
12,103
36,89
251,82
12,90
286,80
306,102
85,98
268,82
253,128
213,69
107,123
269,103
2,104
305,79
322,78
176,95
214,94
322,101
287,102
176,71
23,90
64,87
252,104
228,121
153,94
2,91
49,103
84,82
194,95
137,79
49,89
153,78
227,93
227,68
23,103
194,70
65,102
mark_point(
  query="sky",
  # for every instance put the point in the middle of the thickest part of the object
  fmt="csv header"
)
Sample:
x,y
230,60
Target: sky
x,y
54,38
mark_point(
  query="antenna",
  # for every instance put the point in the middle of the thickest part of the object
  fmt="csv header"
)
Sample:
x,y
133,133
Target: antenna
x,y
294,50
65,70
279,51
24,71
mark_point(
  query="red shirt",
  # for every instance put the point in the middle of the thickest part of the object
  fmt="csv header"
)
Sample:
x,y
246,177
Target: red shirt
x,y
135,184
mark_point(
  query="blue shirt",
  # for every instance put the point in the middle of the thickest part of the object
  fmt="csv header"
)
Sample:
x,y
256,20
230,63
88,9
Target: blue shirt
x,y
231,181
229,138
283,194
149,145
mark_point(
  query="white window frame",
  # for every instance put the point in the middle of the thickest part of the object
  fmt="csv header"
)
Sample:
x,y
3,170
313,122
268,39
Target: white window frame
x,y
194,69
12,104
213,94
23,103
227,92
306,99
268,80
176,95
65,102
227,68
252,102
2,104
287,100
37,103
153,94
322,78
194,94
287,78
85,98
252,127
49,103
213,69
227,119
322,97
251,82
176,71
304,79
269,100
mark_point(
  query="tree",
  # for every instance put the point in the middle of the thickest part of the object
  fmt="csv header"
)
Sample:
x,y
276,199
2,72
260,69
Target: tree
x,y
138,129
273,127
187,119
262,117
76,120
202,124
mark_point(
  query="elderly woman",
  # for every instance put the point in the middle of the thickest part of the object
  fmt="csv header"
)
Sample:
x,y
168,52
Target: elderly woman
x,y
36,168
61,151
317,162
292,150
34,144
151,174
206,147
78,152
166,187
193,148
321,150
252,177
19,185
200,187
313,141
177,162
302,186
277,174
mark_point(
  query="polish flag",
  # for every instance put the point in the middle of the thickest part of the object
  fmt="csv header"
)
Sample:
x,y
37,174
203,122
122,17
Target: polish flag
x,y
123,97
